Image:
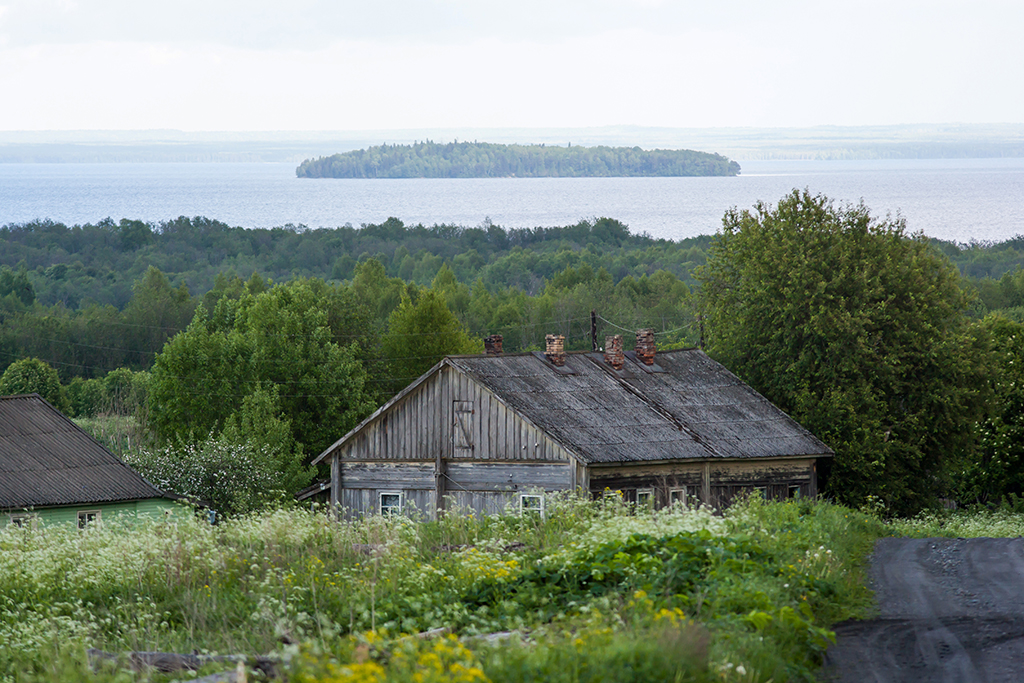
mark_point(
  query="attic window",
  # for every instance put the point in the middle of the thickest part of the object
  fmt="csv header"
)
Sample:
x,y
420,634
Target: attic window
x,y
390,503
531,503
88,518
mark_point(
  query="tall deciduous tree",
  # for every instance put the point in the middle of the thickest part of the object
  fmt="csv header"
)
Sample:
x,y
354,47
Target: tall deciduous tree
x,y
996,468
33,376
155,313
421,331
280,340
858,331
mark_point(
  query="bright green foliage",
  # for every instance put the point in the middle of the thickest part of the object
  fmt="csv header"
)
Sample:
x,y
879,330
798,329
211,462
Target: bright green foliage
x,y
261,424
280,338
856,330
252,463
995,469
598,592
421,331
156,311
31,375
88,397
126,391
379,293
108,309
1006,521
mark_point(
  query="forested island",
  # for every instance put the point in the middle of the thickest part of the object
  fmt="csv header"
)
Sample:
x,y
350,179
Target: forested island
x,y
488,160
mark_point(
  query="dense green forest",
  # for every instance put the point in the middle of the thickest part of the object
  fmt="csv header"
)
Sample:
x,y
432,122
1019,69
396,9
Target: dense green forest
x,y
79,266
904,353
489,160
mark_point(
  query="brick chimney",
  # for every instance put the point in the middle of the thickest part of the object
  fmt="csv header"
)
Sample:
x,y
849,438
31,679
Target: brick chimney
x,y
492,345
555,349
613,351
645,347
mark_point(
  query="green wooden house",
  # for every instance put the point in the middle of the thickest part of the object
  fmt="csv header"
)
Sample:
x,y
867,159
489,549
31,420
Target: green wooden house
x,y
52,471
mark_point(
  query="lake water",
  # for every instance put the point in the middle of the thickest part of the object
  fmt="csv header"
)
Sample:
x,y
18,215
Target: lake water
x,y
957,199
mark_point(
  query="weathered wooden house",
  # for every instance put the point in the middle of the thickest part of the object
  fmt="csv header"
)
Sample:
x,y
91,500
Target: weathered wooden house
x,y
486,431
52,471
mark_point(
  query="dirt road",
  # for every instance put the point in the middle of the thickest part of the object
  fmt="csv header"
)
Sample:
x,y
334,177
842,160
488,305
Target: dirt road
x,y
951,610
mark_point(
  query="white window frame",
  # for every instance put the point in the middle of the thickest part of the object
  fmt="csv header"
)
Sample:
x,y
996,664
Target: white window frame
x,y
649,494
22,520
793,491
763,490
523,497
677,496
83,518
391,508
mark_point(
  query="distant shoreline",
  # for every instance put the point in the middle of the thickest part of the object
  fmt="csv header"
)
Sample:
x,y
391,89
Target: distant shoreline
x,y
921,141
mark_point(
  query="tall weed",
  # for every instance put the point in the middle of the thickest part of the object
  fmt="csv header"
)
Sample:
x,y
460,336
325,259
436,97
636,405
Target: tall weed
x,y
592,586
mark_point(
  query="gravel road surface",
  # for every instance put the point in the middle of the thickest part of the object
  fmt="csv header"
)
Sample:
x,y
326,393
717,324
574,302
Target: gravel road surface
x,y
950,610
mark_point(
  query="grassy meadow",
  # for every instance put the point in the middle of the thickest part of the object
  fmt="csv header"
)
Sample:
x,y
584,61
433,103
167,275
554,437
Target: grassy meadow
x,y
594,591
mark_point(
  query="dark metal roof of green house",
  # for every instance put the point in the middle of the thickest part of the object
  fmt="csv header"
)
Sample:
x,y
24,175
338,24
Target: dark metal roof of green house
x,y
46,459
687,406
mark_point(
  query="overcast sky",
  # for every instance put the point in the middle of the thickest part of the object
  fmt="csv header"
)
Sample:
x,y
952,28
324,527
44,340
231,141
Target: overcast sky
x,y
385,64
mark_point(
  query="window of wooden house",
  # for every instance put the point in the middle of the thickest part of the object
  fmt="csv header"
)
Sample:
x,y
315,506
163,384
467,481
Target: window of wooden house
x,y
531,503
677,497
794,491
88,518
390,502
761,491
645,499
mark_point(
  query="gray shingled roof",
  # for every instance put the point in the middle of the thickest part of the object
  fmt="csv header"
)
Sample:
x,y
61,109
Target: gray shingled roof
x,y
46,459
689,407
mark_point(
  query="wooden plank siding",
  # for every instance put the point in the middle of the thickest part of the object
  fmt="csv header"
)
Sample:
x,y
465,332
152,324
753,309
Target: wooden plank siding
x,y
509,477
479,431
722,482
423,423
449,437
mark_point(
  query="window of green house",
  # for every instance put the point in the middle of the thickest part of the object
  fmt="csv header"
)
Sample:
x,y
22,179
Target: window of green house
x,y
22,520
88,518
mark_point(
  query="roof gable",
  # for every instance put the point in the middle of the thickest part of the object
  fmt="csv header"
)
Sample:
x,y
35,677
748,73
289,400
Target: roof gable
x,y
423,383
46,459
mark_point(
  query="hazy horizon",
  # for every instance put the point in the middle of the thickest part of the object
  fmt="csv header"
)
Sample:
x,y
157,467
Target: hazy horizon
x,y
747,143
342,65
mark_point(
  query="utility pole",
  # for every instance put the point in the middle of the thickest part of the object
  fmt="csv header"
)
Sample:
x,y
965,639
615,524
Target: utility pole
x,y
593,331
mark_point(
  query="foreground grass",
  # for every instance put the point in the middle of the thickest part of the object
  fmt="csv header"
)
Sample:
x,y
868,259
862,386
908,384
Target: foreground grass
x,y
998,523
592,592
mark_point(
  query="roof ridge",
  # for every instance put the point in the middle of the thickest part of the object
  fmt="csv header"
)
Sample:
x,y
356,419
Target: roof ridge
x,y
574,352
